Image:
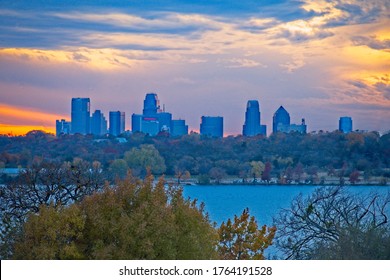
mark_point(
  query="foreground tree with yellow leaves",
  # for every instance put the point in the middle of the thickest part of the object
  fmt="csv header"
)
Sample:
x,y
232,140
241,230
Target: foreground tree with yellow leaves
x,y
241,239
134,220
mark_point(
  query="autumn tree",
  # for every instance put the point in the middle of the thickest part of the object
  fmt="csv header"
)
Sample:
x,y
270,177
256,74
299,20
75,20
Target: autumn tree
x,y
334,224
266,175
134,220
217,173
241,239
257,169
118,169
45,183
354,177
147,156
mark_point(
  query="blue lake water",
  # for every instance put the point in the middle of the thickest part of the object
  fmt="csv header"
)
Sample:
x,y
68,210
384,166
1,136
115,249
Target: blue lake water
x,y
264,202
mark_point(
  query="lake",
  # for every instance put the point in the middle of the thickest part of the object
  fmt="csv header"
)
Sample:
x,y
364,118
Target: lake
x,y
264,202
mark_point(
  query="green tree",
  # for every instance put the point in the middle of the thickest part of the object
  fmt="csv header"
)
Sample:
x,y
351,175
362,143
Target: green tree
x,y
241,239
147,156
135,220
257,169
118,168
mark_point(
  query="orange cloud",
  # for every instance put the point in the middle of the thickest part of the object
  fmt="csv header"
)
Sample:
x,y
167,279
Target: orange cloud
x,y
18,121
15,130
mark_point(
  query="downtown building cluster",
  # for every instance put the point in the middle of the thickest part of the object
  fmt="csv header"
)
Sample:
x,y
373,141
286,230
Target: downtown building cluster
x,y
155,120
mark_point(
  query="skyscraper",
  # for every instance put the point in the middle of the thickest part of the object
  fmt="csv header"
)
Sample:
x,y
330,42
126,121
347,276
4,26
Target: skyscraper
x,y
281,117
179,128
117,122
252,124
98,123
153,120
62,127
80,115
345,124
151,105
212,126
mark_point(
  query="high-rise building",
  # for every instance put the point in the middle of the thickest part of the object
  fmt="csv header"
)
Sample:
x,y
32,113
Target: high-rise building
x,y
80,115
212,126
281,123
252,124
345,124
136,123
117,122
151,105
63,127
281,118
98,123
179,128
153,120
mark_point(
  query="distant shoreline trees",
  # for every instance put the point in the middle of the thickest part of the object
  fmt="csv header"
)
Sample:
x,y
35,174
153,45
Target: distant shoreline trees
x,y
284,158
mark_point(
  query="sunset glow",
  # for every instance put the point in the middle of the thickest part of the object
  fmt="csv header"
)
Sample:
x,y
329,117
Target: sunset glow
x,y
201,59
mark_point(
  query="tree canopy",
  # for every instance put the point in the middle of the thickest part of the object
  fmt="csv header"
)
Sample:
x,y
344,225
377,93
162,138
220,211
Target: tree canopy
x,y
134,220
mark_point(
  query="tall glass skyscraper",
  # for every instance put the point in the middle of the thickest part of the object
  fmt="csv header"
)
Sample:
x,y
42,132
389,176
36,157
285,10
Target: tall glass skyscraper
x,y
179,128
345,124
80,115
117,123
281,118
252,124
212,126
98,123
151,105
153,120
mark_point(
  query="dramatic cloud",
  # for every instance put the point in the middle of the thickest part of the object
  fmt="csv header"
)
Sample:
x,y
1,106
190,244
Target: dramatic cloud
x,y
317,58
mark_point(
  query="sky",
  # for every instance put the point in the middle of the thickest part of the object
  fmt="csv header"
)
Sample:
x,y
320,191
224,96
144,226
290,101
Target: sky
x,y
319,59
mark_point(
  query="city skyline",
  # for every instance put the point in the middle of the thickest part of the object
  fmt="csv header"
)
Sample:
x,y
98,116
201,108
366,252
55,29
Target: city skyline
x,y
319,59
155,120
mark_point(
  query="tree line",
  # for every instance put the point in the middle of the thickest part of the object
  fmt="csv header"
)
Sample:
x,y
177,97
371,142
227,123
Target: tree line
x,y
286,157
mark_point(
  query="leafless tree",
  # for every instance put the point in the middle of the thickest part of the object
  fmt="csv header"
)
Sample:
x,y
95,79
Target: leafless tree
x,y
332,223
45,183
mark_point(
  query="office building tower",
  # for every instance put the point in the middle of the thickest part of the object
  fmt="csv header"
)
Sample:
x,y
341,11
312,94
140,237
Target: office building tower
x,y
136,122
153,120
80,115
63,127
98,123
345,124
117,123
281,118
211,126
151,105
252,124
179,128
